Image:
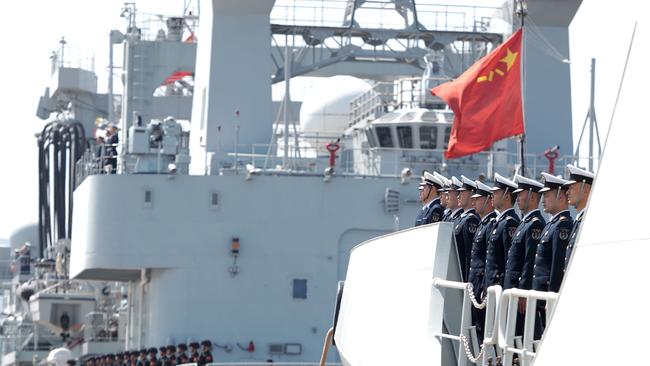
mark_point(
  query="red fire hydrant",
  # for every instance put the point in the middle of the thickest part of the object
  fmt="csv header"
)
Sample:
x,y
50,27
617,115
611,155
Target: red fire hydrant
x,y
333,147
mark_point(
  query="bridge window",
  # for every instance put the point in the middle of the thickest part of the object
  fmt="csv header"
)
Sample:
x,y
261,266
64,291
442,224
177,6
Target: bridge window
x,y
428,137
371,137
385,137
447,134
405,137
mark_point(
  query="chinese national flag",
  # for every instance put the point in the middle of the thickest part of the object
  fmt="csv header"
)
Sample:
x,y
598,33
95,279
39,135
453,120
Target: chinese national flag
x,y
486,100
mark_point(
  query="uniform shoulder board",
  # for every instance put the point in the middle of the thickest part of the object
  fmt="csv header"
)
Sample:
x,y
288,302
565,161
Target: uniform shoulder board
x,y
563,218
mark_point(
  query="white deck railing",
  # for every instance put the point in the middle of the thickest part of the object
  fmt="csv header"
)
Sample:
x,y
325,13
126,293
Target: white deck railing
x,y
500,341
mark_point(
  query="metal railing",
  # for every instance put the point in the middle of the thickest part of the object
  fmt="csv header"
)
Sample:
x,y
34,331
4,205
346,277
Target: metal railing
x,y
367,161
431,14
500,343
507,321
466,351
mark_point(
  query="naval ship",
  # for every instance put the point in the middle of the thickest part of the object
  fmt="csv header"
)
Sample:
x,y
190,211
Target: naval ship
x,y
217,213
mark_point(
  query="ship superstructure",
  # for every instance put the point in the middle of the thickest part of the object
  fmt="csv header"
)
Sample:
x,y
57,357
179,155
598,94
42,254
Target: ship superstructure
x,y
202,166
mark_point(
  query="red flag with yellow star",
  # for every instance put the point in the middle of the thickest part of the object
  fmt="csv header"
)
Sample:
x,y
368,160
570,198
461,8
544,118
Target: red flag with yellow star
x,y
486,100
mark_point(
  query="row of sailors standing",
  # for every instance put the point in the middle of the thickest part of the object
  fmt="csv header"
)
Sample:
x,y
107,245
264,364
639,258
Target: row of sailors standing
x,y
497,247
169,356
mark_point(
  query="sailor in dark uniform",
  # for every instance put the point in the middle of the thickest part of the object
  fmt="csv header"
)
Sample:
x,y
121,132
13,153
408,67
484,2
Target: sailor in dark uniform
x,y
426,198
163,356
182,351
506,223
551,250
171,355
153,352
442,193
451,191
521,256
194,352
465,225
206,353
433,208
484,208
142,359
579,187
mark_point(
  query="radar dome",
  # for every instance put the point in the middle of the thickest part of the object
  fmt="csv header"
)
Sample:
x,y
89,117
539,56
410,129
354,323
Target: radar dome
x,y
326,109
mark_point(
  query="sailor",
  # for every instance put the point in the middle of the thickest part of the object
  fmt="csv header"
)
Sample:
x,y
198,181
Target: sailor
x,y
551,250
432,211
194,352
142,360
466,225
162,361
171,355
521,255
442,194
206,353
451,191
182,351
425,199
153,351
579,187
506,223
476,275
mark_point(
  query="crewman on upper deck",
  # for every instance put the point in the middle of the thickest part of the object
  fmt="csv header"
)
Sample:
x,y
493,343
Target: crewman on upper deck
x,y
476,274
506,223
579,187
466,225
551,250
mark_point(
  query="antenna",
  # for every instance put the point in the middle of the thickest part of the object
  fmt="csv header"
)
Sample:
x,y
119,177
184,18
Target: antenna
x,y
593,123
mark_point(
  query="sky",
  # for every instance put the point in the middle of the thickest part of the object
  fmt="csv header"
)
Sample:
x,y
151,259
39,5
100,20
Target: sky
x,y
33,29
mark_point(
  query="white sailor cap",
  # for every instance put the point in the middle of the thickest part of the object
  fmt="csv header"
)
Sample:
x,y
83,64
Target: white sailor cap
x,y
579,175
482,190
551,182
443,180
455,184
527,184
432,180
501,182
467,184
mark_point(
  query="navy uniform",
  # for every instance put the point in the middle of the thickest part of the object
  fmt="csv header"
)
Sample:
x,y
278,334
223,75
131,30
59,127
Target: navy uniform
x,y
171,355
551,253
433,211
501,236
465,227
477,259
454,185
206,353
521,255
577,176
182,352
445,186
162,361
